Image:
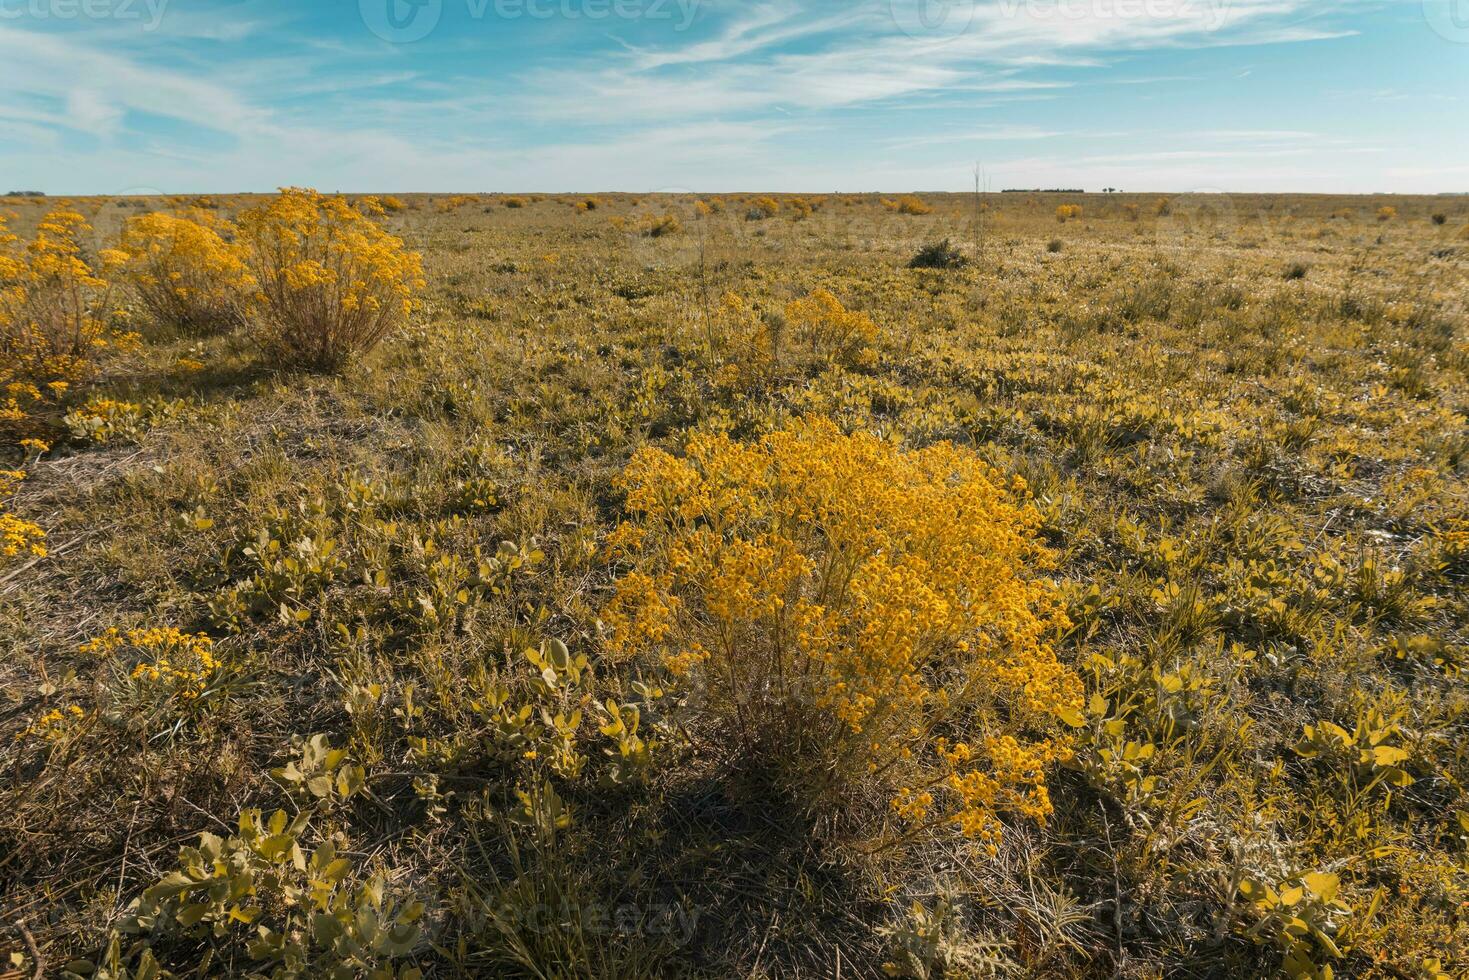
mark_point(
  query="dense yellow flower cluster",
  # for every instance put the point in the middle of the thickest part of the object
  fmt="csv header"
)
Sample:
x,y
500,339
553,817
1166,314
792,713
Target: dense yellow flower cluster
x,y
868,611
332,282
172,662
49,336
185,271
17,537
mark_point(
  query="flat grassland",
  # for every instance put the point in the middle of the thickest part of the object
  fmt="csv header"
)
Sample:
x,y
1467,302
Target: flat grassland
x,y
1240,423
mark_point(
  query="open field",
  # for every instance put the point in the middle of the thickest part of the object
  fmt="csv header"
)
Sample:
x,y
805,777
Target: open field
x,y
1156,672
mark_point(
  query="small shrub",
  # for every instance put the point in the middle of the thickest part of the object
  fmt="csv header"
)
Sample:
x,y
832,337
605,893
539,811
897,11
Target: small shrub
x,y
862,618
909,204
1054,245
1439,218
104,420
1386,213
451,204
391,204
830,330
1294,271
813,330
183,270
164,674
762,208
1299,917
265,895
515,202
941,254
1066,212
332,282
587,204
658,225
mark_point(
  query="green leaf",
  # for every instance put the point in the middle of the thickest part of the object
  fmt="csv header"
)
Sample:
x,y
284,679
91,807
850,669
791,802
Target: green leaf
x,y
1321,884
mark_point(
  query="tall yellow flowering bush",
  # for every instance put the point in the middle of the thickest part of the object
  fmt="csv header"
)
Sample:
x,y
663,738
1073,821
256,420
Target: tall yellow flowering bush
x,y
869,616
332,282
184,270
50,335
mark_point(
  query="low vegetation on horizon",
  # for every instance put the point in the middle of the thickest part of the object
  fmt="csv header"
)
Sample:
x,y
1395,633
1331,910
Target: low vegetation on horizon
x,y
1025,585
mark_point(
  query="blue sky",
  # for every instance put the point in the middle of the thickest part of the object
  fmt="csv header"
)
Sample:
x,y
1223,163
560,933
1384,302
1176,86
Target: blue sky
x,y
116,96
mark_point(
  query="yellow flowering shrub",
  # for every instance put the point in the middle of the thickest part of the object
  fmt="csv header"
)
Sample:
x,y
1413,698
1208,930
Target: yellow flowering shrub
x,y
167,666
183,269
762,208
909,204
49,333
332,282
748,346
17,537
821,323
853,609
1065,212
756,350
454,203
658,225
